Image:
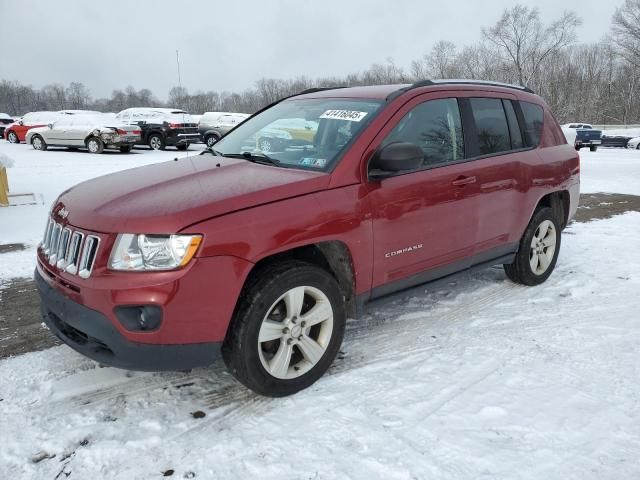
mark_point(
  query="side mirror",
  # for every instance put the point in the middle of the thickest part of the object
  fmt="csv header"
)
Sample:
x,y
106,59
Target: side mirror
x,y
50,125
395,157
21,123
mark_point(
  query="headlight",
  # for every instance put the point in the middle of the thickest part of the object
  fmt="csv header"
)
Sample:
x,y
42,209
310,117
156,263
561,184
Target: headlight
x,y
153,252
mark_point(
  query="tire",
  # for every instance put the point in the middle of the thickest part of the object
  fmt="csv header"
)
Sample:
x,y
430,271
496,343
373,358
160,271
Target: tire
x,y
156,142
578,148
38,143
95,145
638,147
210,140
594,149
255,363
126,148
522,269
12,137
183,147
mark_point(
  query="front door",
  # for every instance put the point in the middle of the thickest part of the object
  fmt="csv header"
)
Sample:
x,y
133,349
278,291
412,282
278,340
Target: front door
x,y
425,222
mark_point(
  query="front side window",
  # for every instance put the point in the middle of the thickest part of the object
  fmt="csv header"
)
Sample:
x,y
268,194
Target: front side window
x,y
434,126
533,122
65,121
300,133
491,125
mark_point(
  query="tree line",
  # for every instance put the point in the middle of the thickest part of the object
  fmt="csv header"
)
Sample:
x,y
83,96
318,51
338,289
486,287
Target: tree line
x,y
595,82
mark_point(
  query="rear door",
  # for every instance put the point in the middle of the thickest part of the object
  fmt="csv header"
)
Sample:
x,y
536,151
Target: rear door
x,y
59,133
424,222
495,142
79,128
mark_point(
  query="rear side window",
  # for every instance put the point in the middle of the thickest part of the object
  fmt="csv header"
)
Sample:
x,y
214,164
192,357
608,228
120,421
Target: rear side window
x,y
436,127
491,125
533,121
514,127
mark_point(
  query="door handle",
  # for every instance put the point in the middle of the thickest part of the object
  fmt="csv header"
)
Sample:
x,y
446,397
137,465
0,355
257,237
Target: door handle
x,y
462,181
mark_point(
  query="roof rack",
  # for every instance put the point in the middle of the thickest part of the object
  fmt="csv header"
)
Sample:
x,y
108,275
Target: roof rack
x,y
456,81
314,90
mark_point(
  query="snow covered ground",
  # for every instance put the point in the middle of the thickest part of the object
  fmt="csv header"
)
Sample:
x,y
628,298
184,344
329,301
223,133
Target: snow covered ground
x,y
473,377
47,174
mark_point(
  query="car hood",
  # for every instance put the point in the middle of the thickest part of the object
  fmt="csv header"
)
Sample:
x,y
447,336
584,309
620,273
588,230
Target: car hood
x,y
167,197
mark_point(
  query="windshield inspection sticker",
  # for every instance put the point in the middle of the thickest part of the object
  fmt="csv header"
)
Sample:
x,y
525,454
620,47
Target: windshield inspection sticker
x,y
350,115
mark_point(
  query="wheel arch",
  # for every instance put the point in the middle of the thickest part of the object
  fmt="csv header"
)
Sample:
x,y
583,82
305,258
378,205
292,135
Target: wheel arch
x,y
89,137
213,132
332,256
559,201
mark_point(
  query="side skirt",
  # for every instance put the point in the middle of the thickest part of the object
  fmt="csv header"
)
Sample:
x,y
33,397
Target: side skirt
x,y
481,261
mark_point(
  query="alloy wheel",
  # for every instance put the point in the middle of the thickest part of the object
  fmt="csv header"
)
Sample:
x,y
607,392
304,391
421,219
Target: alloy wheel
x,y
37,143
295,333
543,247
265,145
154,143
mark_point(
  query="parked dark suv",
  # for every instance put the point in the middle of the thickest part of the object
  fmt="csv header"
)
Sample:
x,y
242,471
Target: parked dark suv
x,y
262,256
4,121
162,127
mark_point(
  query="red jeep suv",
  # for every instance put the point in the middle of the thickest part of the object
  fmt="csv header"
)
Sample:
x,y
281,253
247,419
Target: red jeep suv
x,y
261,256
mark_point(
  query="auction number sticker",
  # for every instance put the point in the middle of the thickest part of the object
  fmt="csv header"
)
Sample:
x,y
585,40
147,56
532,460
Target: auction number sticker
x,y
350,115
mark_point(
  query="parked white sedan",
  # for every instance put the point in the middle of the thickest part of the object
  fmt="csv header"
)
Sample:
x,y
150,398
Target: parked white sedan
x,y
634,143
94,132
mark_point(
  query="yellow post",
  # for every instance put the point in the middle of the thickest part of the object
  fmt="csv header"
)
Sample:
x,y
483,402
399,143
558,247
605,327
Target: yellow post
x,y
4,187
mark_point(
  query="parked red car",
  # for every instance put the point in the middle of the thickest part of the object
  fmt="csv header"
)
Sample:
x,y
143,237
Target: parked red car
x,y
262,256
16,132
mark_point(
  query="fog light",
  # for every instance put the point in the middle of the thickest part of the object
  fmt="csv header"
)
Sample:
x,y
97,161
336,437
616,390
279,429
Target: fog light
x,y
141,318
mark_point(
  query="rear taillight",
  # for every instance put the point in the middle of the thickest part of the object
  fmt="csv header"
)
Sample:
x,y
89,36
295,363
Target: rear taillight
x,y
175,125
120,131
136,132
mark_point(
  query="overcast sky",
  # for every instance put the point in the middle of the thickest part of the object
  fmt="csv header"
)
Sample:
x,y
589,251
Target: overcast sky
x,y
227,45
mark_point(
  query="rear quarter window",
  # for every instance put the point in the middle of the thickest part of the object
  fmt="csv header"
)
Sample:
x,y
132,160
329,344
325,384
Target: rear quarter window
x,y
533,122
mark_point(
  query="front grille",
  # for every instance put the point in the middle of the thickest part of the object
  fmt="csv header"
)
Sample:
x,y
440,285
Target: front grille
x,y
70,250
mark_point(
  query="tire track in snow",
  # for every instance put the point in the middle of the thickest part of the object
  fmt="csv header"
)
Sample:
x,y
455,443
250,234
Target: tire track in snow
x,y
227,400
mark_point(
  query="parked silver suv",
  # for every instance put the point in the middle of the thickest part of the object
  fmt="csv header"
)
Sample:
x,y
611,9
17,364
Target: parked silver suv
x,y
213,125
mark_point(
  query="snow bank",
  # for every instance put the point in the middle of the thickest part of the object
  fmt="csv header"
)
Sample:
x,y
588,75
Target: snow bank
x,y
5,160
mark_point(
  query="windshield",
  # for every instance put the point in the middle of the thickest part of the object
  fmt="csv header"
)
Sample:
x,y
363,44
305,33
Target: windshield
x,y
309,134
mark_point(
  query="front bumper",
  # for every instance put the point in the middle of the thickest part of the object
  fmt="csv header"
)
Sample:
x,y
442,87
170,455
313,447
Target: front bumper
x,y
90,333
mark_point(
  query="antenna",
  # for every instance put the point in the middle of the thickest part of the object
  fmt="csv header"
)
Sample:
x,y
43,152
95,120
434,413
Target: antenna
x,y
178,62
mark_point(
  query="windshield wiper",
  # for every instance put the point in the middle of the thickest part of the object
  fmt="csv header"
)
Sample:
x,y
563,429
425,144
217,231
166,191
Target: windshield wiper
x,y
255,158
213,152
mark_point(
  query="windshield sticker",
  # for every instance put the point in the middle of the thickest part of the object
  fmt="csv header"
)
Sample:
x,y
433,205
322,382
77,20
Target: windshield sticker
x,y
350,115
308,161
320,163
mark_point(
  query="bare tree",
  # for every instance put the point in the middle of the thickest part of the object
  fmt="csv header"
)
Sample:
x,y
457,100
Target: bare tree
x,y
78,96
521,36
626,31
441,62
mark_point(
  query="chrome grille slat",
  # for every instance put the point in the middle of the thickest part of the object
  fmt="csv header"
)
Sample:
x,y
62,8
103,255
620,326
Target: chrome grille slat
x,y
55,242
73,253
70,250
47,236
89,253
62,247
